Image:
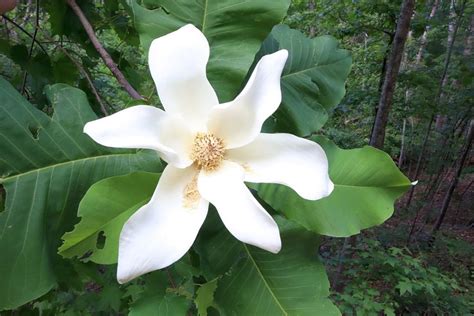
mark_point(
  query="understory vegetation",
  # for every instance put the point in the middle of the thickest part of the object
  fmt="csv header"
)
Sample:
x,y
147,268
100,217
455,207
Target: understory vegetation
x,y
418,262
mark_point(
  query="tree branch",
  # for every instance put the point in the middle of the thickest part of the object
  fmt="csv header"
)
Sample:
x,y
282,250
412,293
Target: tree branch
x,y
24,31
25,76
102,52
88,79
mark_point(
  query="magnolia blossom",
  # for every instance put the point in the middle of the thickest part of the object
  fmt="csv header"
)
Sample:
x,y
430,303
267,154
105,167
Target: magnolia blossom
x,y
211,149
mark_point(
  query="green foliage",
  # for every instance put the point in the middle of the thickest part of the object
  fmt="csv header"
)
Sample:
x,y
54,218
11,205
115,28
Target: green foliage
x,y
205,297
293,282
366,184
313,81
233,43
47,164
394,281
104,209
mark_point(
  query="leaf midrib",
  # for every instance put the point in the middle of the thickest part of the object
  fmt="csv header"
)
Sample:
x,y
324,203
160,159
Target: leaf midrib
x,y
2,180
264,280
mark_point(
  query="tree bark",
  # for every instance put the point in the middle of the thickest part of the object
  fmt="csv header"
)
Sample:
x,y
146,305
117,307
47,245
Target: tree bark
x,y
449,194
418,163
102,52
424,37
402,146
378,134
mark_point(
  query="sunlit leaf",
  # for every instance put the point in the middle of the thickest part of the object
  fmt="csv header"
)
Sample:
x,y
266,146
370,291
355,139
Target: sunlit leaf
x,y
366,184
104,209
234,29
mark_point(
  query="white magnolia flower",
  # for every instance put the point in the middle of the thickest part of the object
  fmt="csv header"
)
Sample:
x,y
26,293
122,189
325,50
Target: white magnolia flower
x,y
211,149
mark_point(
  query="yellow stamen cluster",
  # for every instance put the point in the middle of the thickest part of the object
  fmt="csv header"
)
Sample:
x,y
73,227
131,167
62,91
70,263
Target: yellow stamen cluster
x,y
208,151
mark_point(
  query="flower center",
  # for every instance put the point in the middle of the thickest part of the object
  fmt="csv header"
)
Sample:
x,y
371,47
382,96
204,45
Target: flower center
x,y
208,151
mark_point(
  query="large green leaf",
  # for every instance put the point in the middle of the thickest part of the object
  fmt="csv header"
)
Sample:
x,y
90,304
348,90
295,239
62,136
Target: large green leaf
x,y
104,209
313,81
366,184
234,29
46,165
292,282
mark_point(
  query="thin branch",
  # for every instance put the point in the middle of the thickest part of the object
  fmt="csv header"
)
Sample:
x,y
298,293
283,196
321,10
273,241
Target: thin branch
x,y
102,52
88,79
24,31
25,76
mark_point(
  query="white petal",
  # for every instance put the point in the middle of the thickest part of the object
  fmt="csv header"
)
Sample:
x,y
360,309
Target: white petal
x,y
240,212
178,66
286,159
238,122
163,230
144,126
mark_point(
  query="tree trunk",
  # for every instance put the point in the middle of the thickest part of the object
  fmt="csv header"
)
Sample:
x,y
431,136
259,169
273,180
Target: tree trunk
x,y
393,65
402,146
449,194
424,37
418,163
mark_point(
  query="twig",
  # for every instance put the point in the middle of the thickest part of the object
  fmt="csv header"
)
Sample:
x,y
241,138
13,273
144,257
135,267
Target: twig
x,y
170,279
24,31
102,52
25,76
88,79
7,31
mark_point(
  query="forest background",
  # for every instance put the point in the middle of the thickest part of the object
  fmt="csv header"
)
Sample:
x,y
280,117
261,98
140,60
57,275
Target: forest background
x,y
419,111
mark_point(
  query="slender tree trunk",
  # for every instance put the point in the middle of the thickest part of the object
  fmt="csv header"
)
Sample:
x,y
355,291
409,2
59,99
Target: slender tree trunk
x,y
378,134
418,163
402,146
424,37
438,95
449,194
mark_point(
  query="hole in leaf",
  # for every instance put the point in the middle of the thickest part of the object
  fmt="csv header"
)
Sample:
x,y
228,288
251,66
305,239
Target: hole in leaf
x,y
34,131
100,240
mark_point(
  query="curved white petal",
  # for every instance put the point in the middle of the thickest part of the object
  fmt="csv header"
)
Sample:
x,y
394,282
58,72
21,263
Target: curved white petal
x,y
238,122
178,66
240,212
144,126
286,159
163,230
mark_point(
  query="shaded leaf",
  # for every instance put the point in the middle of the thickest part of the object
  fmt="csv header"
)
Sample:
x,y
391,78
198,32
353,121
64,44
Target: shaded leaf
x,y
292,282
313,81
46,165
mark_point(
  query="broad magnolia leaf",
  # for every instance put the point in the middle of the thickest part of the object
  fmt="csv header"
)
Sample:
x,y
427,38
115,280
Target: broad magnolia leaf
x,y
313,81
104,209
366,185
234,29
292,282
46,165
